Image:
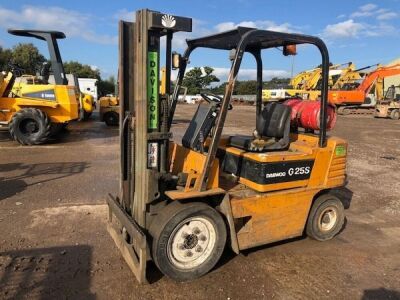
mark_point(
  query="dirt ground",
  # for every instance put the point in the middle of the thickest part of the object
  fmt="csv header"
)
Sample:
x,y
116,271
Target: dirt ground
x,y
54,243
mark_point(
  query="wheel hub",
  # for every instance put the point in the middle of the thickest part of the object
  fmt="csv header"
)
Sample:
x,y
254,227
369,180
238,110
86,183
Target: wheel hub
x,y
328,219
29,126
191,243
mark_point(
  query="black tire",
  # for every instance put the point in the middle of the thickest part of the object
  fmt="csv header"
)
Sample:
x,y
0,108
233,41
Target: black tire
x,y
395,114
111,118
166,228
86,115
30,126
55,128
327,207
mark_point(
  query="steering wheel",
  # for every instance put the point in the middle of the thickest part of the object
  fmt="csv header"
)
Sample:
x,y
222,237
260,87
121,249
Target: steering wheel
x,y
214,99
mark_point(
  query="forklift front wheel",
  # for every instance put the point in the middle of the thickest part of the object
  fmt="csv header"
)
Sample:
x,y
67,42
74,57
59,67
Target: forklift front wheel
x,y
188,240
326,218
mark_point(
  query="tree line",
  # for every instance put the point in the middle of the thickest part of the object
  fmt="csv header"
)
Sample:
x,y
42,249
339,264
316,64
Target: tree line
x,y
201,79
27,58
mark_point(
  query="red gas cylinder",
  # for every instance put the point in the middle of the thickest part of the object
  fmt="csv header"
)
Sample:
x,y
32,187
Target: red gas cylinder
x,y
305,114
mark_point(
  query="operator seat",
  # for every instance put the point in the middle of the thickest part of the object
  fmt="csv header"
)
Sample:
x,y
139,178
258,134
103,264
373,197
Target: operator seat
x,y
200,126
272,130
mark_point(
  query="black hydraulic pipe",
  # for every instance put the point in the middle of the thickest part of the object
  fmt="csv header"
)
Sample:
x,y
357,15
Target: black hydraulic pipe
x,y
164,106
324,90
367,67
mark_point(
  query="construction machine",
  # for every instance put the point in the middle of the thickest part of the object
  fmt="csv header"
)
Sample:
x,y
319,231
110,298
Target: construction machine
x,y
33,115
306,84
109,110
109,105
364,98
389,107
350,77
86,102
181,203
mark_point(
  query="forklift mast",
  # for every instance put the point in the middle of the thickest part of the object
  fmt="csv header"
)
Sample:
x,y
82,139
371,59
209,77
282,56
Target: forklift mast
x,y
144,131
55,57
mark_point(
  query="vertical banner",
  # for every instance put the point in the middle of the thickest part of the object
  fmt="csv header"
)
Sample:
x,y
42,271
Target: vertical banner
x,y
152,90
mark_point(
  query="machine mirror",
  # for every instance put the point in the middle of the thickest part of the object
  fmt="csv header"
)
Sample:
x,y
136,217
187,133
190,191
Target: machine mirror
x,y
289,50
176,60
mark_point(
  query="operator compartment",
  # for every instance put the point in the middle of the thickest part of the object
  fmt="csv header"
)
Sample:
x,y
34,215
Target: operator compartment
x,y
274,158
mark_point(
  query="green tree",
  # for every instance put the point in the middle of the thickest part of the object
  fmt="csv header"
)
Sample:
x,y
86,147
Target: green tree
x,y
247,87
195,80
28,58
105,87
5,58
81,70
277,83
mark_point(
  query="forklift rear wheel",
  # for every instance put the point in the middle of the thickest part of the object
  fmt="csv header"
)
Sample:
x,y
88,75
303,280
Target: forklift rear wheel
x,y
188,240
326,218
30,126
395,114
111,118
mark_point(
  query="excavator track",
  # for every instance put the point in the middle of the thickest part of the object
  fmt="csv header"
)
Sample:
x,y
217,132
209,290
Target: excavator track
x,y
344,111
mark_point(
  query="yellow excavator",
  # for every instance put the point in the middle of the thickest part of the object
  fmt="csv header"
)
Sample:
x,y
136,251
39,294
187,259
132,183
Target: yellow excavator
x,y
306,84
33,116
350,77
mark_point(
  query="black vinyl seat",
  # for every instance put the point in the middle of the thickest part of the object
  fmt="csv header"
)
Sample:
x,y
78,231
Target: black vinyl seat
x,y
200,126
272,130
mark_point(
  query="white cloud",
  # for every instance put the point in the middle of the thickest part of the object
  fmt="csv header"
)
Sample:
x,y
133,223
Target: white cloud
x,y
352,29
125,15
365,11
342,16
343,29
198,29
260,24
72,23
387,16
372,10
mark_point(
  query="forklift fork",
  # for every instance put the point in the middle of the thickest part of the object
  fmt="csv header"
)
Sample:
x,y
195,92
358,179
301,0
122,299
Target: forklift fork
x,y
128,237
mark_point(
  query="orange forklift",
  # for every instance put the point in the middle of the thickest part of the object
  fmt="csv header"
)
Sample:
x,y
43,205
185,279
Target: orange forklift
x,y
181,204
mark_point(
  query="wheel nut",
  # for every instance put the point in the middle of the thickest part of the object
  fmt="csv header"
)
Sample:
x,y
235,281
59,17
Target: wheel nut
x,y
189,253
199,249
184,235
203,238
181,246
196,230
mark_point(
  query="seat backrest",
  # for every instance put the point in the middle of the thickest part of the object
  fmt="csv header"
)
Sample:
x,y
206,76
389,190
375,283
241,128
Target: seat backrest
x,y
200,125
273,120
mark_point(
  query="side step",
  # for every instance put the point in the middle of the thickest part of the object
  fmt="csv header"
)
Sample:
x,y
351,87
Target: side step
x,y
134,251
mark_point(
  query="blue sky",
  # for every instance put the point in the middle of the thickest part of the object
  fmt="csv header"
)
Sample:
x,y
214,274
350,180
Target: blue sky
x,y
364,32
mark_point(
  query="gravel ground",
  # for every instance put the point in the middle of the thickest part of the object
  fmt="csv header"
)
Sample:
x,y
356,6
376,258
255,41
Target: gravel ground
x,y
54,245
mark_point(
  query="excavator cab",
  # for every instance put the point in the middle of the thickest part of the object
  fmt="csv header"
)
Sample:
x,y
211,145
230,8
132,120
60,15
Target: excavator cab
x,y
182,202
31,108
